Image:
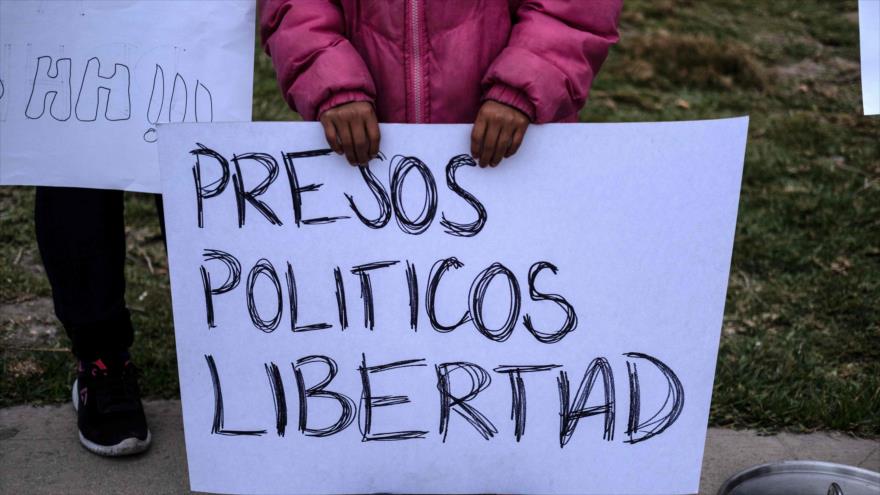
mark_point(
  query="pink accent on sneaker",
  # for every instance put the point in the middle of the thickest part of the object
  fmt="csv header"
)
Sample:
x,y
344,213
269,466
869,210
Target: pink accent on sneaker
x,y
100,364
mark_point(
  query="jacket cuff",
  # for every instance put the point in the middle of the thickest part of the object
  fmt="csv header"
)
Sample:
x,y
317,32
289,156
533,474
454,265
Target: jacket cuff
x,y
341,98
513,97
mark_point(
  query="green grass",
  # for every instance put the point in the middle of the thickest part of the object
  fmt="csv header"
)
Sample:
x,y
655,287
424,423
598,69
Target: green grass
x,y
801,339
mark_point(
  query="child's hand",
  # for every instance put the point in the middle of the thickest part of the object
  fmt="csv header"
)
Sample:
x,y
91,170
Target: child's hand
x,y
352,129
498,131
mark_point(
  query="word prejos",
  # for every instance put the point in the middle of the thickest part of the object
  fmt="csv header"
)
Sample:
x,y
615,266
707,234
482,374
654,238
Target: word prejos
x,y
387,203
223,276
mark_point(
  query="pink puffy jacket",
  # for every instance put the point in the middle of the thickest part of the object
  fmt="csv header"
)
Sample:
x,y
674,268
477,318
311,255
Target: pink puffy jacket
x,y
435,61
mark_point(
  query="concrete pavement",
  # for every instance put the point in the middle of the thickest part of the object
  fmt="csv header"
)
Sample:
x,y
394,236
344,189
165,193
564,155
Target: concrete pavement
x,y
40,454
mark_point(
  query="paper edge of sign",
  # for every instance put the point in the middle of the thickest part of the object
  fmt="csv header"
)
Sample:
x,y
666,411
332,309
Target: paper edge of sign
x,y
170,125
742,161
870,103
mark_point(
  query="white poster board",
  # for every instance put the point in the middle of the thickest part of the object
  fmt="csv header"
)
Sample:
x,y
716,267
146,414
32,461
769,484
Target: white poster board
x,y
869,42
83,84
427,326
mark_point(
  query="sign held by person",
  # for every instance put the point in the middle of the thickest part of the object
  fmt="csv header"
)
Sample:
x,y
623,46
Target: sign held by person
x,y
427,326
84,84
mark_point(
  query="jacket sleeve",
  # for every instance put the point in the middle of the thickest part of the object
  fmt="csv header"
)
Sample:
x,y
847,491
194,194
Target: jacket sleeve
x,y
316,65
555,49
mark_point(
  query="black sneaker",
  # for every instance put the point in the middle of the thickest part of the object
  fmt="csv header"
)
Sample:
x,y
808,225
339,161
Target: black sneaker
x,y
110,416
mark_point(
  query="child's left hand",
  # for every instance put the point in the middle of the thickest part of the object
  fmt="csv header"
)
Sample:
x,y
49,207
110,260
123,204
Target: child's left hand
x,y
498,131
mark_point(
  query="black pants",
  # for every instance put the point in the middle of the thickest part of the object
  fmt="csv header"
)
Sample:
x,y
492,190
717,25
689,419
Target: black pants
x,y
81,237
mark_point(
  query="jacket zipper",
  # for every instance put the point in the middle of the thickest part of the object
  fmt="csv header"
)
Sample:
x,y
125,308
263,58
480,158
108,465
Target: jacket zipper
x,y
416,66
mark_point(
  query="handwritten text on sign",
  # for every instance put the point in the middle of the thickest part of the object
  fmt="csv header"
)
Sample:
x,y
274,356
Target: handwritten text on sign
x,y
84,84
424,325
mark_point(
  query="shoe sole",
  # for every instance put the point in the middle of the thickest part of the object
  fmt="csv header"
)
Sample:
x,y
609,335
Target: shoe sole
x,y
129,446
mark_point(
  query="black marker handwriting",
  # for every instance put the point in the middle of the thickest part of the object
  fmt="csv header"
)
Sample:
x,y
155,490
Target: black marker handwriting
x,y
518,402
294,306
657,423
244,196
265,268
463,229
479,381
571,412
412,283
459,385
346,415
570,314
400,167
217,425
233,277
478,294
340,298
278,398
437,270
370,401
363,273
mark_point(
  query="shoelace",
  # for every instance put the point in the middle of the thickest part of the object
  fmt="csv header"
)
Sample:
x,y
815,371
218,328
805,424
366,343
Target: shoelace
x,y
116,390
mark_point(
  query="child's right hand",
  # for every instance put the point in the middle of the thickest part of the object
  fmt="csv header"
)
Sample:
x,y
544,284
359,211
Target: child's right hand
x,y
352,129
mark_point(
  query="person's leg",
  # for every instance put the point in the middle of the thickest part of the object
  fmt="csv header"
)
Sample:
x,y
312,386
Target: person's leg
x,y
160,211
81,237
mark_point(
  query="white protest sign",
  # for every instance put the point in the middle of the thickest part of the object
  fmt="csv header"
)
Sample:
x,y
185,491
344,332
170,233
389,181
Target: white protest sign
x,y
869,42
83,84
427,326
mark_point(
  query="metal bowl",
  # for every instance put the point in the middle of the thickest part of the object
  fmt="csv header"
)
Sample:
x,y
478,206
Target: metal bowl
x,y
802,478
